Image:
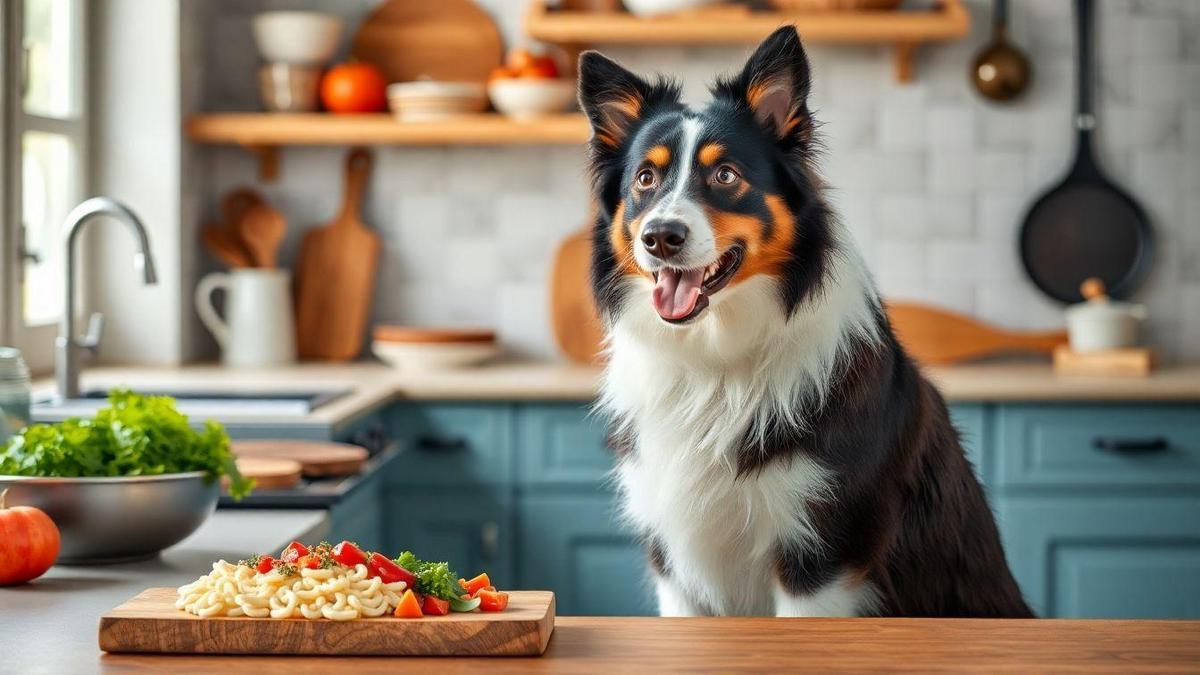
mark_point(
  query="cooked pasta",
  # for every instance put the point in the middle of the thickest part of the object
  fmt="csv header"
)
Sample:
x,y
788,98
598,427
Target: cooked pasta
x,y
338,593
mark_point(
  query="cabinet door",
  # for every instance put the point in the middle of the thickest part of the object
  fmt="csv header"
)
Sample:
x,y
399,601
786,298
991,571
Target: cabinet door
x,y
574,546
1097,557
453,444
561,444
470,529
360,517
969,420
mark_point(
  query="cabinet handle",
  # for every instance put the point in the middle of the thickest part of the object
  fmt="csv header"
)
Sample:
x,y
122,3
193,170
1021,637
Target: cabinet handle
x,y
442,444
1131,445
489,540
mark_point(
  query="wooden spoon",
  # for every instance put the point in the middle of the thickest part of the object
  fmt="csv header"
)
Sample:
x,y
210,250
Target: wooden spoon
x,y
225,246
261,229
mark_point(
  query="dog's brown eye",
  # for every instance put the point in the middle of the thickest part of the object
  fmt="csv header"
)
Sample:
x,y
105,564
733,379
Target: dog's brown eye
x,y
646,179
726,175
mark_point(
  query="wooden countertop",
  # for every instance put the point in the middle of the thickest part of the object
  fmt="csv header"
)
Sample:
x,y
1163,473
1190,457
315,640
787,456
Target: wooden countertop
x,y
374,384
616,645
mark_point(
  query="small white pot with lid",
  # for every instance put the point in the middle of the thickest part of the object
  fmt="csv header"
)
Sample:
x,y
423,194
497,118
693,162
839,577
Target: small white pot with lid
x,y
1101,323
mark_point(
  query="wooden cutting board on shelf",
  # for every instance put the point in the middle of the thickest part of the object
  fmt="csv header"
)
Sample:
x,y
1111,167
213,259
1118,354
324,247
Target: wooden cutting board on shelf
x,y
573,314
149,623
936,336
447,40
316,458
335,276
270,473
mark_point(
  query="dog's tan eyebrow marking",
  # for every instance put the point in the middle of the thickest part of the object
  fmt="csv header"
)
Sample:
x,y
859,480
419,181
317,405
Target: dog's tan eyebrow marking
x,y
659,155
710,153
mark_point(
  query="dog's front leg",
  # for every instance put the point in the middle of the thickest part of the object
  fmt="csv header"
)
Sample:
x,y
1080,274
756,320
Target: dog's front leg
x,y
671,599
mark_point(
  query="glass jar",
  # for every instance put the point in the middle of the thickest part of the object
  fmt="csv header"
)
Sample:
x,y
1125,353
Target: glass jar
x,y
14,393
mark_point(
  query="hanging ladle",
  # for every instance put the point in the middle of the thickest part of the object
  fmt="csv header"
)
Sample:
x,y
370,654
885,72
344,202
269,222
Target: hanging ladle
x,y
1000,72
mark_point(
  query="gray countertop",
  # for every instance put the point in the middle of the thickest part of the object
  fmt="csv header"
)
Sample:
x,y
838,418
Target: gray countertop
x,y
49,625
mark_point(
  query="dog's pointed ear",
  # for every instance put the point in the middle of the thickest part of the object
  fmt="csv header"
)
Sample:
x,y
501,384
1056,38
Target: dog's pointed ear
x,y
613,98
774,84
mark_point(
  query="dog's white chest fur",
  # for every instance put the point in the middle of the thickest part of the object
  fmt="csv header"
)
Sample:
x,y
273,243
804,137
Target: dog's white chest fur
x,y
687,399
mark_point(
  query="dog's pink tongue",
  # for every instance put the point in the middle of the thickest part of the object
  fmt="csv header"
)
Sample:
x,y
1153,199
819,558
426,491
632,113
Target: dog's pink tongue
x,y
676,293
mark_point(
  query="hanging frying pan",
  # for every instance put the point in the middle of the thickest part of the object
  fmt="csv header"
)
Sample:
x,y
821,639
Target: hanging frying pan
x,y
1086,226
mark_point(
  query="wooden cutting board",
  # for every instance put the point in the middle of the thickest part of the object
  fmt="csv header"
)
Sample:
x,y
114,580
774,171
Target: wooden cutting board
x,y
448,40
149,623
316,458
269,473
573,314
335,276
936,336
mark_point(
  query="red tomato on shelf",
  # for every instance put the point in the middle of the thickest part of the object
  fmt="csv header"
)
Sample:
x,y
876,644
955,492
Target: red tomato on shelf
x,y
354,88
346,553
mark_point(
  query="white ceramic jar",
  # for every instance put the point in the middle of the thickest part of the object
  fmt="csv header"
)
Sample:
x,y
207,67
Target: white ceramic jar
x,y
1101,323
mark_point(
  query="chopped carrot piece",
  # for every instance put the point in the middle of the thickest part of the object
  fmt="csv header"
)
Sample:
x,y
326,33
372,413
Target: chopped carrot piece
x,y
477,583
409,607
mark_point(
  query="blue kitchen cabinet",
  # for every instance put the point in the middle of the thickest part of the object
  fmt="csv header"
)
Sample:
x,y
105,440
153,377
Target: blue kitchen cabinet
x,y
453,444
1099,556
561,445
574,545
471,528
359,517
970,421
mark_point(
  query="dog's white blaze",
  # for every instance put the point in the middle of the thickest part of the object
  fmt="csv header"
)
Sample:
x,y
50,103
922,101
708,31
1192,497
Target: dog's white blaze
x,y
688,395
700,249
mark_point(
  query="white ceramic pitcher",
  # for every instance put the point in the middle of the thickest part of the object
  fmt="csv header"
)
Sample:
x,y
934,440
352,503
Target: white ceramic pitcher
x,y
258,328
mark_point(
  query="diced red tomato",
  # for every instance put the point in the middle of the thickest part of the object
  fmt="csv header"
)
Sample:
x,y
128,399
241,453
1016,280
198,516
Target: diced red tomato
x,y
265,564
388,571
293,551
492,601
477,583
435,606
408,608
346,553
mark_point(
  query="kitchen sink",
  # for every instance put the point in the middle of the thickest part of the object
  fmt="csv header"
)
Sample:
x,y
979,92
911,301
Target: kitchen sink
x,y
215,404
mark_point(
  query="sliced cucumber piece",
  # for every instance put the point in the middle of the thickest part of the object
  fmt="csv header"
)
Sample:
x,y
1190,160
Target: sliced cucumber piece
x,y
459,605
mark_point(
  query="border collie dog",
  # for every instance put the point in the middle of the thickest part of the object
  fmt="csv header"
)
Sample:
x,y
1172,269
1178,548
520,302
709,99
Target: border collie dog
x,y
777,450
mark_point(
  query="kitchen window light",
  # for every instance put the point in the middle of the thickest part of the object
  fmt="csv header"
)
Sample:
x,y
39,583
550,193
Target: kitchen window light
x,y
44,145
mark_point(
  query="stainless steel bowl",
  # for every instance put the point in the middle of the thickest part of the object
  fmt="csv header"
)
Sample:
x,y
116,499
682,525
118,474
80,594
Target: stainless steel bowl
x,y
108,520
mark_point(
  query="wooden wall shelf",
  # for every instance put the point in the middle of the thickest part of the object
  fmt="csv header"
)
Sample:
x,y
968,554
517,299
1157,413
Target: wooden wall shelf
x,y
737,24
265,132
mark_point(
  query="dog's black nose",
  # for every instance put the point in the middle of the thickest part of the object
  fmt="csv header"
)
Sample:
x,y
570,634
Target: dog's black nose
x,y
664,238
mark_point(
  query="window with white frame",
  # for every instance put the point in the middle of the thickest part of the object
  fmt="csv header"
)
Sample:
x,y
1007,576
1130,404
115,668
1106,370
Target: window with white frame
x,y
44,100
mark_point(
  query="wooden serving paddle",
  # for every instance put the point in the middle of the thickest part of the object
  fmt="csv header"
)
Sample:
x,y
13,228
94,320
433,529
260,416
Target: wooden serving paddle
x,y
936,336
573,314
335,275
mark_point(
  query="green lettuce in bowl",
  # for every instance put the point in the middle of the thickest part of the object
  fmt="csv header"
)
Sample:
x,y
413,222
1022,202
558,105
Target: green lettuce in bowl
x,y
135,435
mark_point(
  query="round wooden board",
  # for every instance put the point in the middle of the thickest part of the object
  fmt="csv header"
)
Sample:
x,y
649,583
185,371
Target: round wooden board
x,y
316,458
447,40
269,473
573,314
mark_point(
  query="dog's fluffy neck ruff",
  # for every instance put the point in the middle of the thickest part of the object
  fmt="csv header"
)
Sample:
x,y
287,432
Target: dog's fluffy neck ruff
x,y
709,388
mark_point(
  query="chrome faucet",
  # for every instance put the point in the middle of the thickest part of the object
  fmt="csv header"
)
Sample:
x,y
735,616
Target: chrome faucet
x,y
67,366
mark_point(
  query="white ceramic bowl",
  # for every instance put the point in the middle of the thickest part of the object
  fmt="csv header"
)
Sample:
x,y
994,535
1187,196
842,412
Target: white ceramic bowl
x,y
297,38
431,100
652,7
434,355
530,97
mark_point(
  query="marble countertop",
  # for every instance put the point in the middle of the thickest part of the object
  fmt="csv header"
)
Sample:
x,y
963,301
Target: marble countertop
x,y
374,384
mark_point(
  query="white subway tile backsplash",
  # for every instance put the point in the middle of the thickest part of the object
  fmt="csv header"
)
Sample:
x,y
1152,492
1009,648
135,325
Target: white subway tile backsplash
x,y
930,180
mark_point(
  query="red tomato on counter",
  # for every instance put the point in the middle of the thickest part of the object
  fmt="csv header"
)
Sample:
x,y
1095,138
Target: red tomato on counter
x,y
29,543
265,564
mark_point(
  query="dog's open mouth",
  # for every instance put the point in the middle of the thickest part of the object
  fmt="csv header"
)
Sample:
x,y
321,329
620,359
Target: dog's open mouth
x,y
681,295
